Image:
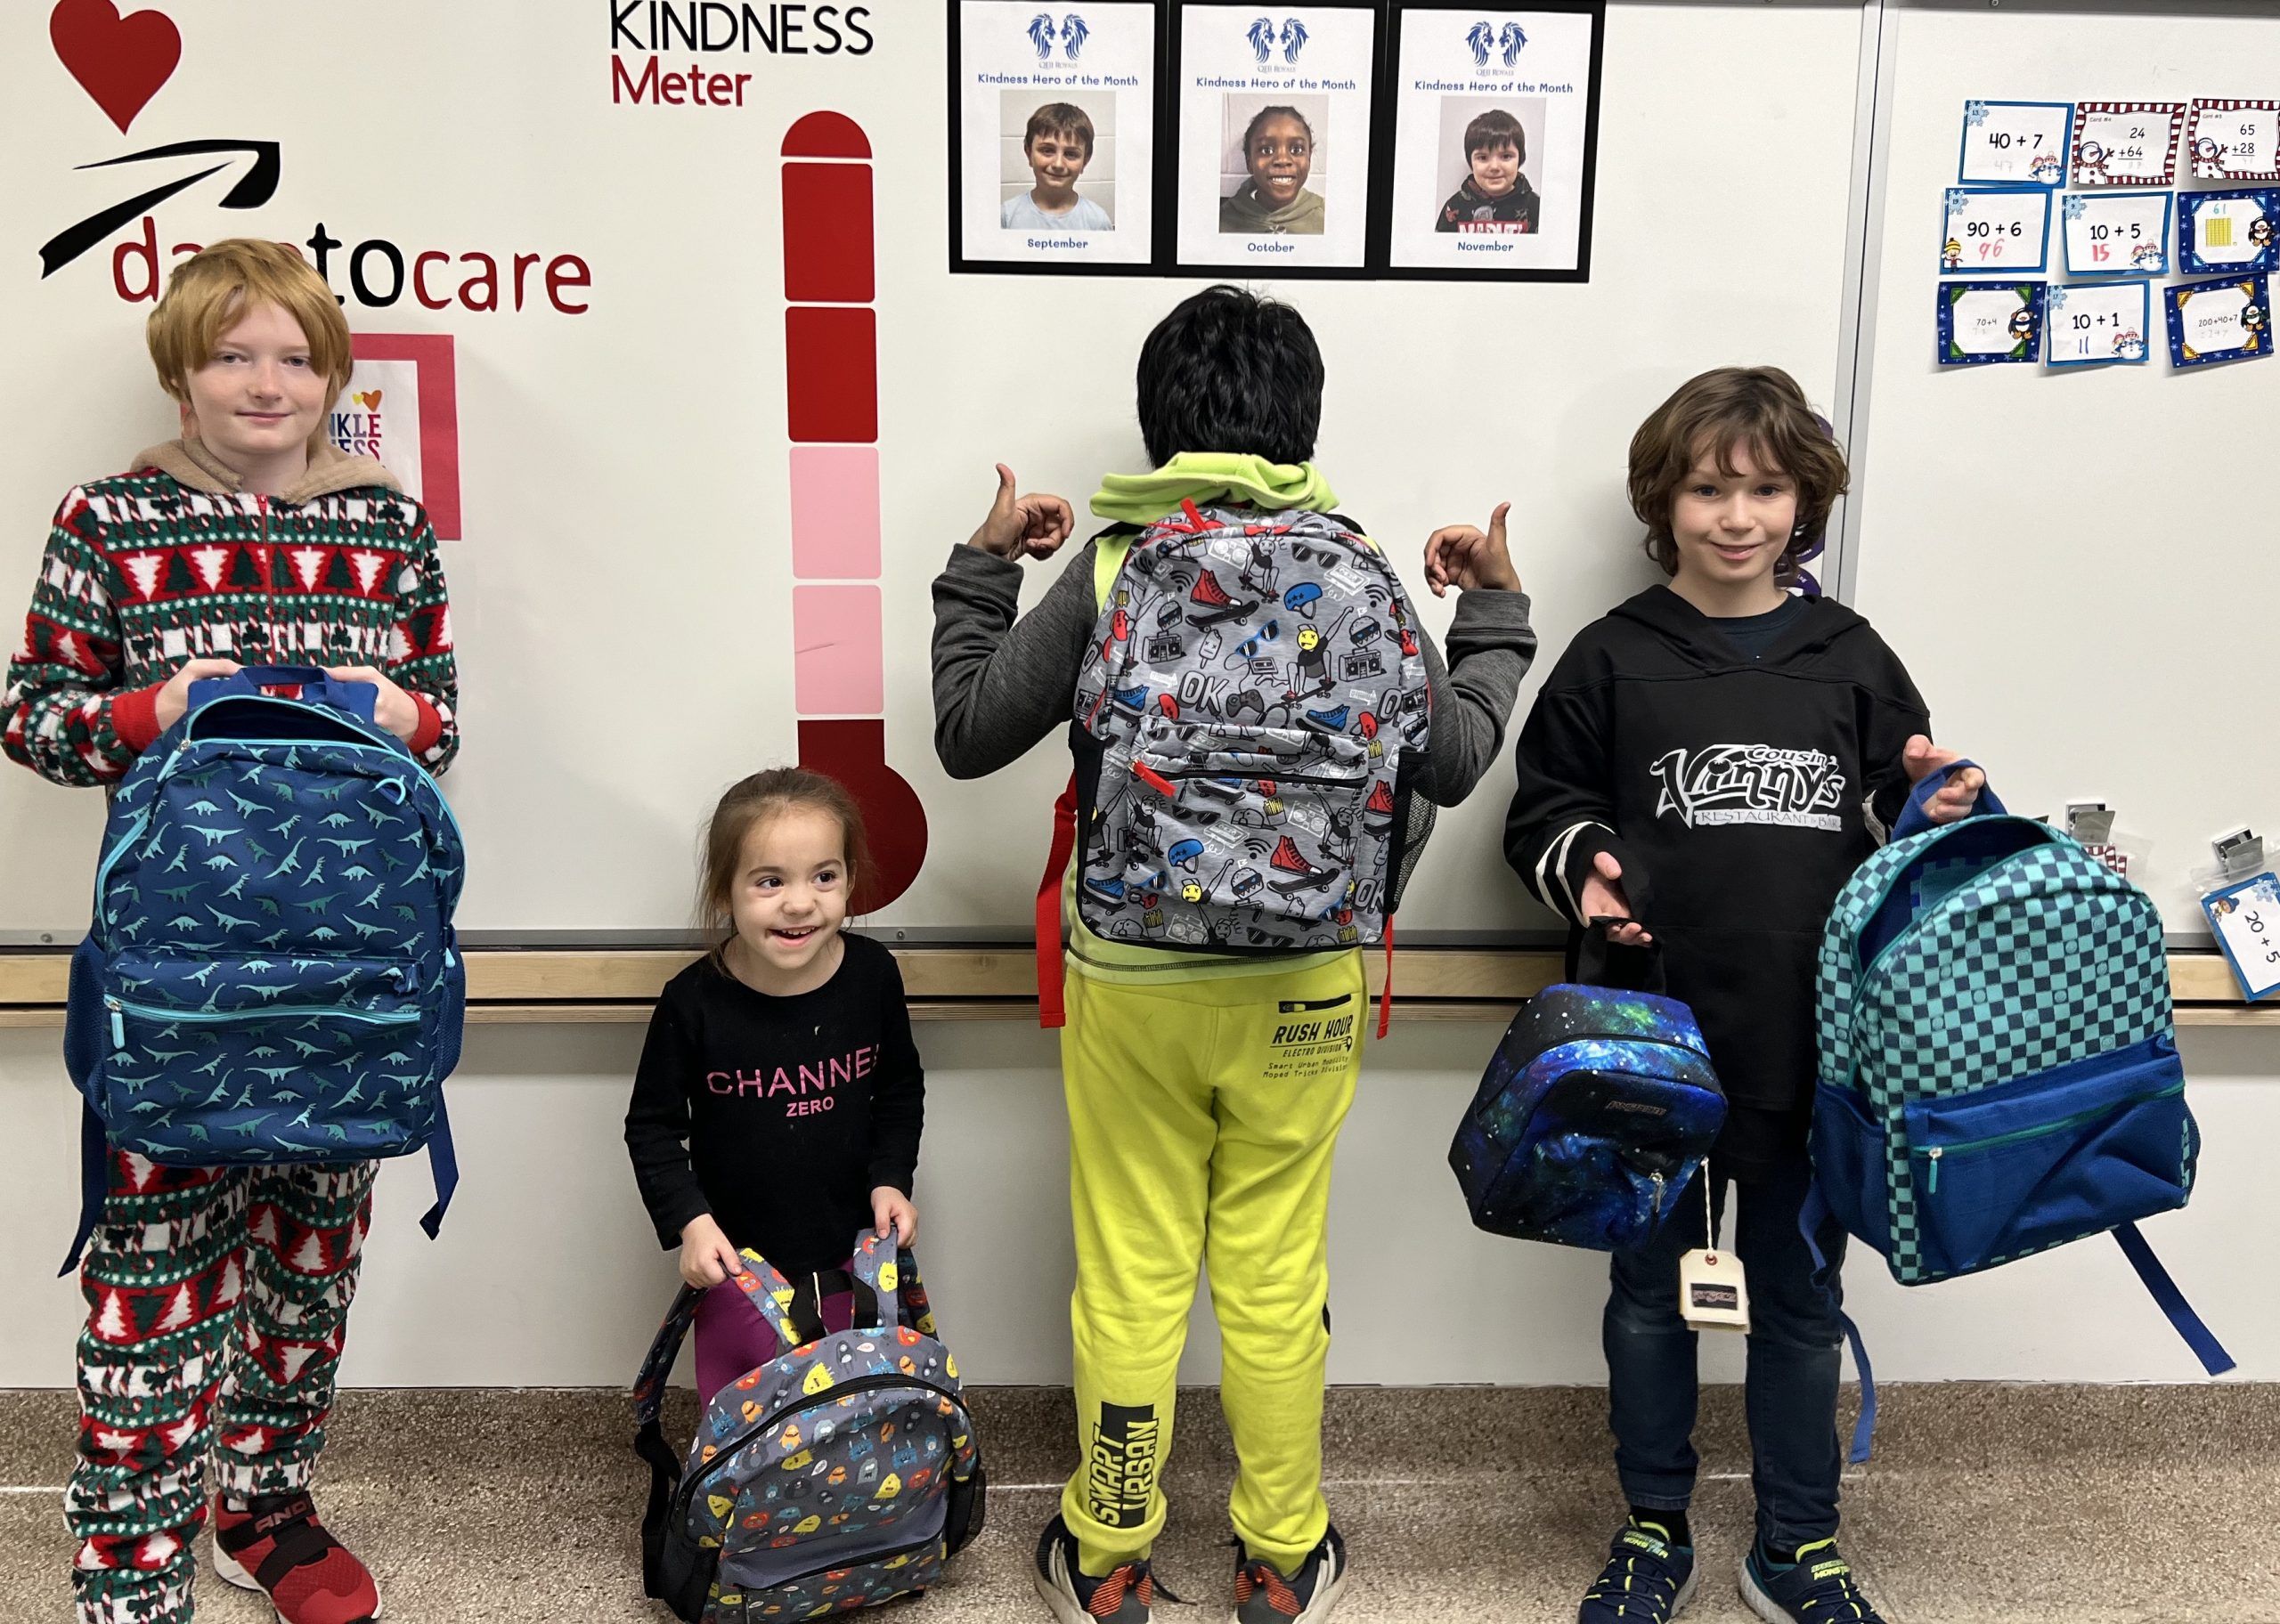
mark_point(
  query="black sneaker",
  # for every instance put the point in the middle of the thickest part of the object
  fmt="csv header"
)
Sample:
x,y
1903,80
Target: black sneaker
x,y
1122,1597
1263,1595
1647,1579
1816,1588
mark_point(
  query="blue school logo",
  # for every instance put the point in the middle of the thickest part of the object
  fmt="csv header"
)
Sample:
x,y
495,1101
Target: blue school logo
x,y
1510,41
1073,33
1264,38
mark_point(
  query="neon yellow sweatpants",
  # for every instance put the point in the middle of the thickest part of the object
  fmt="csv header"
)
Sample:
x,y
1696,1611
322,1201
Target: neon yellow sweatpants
x,y
1201,1119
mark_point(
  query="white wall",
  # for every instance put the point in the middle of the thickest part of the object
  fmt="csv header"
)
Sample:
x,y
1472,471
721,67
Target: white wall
x,y
2031,543
546,1274
625,470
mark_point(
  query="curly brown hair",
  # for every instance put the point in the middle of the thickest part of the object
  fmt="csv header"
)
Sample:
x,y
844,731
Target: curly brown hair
x,y
1759,407
761,799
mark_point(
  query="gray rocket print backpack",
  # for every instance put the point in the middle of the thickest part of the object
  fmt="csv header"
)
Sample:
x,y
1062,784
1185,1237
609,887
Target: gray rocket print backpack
x,y
1247,721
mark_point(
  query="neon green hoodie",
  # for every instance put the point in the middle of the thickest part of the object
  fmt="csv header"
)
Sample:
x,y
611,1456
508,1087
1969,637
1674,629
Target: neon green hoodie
x,y
1209,477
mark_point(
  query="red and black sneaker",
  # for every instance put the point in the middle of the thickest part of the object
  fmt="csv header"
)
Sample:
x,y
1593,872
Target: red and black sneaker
x,y
1263,1595
278,1546
1125,1596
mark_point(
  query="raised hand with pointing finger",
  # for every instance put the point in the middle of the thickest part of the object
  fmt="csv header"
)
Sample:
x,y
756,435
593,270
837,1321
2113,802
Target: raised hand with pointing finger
x,y
1018,527
1470,560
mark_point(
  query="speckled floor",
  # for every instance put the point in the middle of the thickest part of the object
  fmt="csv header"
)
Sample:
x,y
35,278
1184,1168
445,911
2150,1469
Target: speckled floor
x,y
1986,1504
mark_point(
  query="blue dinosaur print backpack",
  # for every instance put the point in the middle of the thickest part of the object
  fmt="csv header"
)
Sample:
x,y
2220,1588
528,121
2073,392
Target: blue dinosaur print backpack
x,y
842,1474
270,975
1999,1066
1596,1111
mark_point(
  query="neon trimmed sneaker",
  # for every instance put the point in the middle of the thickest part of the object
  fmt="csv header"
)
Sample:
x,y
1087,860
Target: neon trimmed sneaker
x,y
1123,1597
277,1545
1647,1579
1264,1597
1816,1588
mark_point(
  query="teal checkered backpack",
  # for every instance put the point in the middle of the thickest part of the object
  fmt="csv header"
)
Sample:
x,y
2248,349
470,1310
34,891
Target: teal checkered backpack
x,y
1999,1068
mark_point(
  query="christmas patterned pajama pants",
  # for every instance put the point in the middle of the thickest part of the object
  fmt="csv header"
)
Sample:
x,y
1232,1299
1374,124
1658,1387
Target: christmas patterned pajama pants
x,y
217,1301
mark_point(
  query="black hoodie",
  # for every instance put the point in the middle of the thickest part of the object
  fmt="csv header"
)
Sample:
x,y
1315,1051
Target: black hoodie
x,y
1732,791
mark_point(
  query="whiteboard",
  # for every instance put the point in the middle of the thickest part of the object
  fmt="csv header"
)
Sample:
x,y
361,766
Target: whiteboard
x,y
619,598
2061,597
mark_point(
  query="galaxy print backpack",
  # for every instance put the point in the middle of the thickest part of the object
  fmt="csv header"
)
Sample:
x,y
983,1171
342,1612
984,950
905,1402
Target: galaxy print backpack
x,y
842,1474
1596,1110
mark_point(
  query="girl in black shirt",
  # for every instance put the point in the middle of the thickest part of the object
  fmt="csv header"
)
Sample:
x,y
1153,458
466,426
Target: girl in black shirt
x,y
780,1098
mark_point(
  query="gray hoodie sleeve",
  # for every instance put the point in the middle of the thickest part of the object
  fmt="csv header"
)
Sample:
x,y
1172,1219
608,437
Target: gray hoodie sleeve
x,y
1491,647
1004,680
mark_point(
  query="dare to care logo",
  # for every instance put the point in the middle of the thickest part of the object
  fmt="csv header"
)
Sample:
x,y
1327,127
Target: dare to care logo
x,y
123,61
688,52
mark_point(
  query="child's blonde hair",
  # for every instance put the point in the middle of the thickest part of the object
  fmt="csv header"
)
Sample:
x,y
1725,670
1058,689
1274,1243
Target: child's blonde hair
x,y
762,798
208,292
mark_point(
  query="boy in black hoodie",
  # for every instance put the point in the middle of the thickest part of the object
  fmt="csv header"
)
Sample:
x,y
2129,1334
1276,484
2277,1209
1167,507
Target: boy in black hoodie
x,y
1724,743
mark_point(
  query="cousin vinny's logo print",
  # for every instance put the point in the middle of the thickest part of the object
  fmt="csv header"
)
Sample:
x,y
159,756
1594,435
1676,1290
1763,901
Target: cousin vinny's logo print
x,y
1751,783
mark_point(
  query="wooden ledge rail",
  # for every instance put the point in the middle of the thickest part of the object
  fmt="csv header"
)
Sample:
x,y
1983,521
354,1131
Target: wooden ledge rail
x,y
509,986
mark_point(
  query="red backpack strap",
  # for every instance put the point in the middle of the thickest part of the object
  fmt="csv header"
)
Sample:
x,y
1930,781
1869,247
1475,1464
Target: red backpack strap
x,y
1050,1011
1384,994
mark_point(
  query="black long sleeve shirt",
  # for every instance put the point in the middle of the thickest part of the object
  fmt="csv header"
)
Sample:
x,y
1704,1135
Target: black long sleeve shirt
x,y
1733,786
777,1116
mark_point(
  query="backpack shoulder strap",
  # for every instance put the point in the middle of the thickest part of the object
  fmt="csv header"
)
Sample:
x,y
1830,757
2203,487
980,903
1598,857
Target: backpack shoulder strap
x,y
1111,547
2197,1335
658,1366
878,1269
649,1436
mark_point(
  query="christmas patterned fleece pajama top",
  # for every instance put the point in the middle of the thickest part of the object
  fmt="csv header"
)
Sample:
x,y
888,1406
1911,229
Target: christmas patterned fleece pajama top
x,y
218,1298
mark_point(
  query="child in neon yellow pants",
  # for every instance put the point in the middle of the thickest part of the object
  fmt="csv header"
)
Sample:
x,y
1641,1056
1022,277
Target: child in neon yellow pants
x,y
1205,1088
1201,1120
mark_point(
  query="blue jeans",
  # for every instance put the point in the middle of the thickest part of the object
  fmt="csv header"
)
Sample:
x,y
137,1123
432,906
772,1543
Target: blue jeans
x,y
1790,1390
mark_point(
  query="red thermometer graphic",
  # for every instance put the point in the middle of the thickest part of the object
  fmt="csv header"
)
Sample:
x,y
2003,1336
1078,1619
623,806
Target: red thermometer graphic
x,y
832,380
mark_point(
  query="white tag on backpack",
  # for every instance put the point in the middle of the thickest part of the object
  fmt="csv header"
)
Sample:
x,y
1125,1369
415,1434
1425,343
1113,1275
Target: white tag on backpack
x,y
1711,1294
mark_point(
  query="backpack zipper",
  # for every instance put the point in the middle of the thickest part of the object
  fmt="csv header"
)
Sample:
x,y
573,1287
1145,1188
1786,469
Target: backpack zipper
x,y
1933,1153
268,579
1271,778
852,1562
121,1008
829,1395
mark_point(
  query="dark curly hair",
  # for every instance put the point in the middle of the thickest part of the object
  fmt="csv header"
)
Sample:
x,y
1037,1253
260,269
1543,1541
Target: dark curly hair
x,y
1759,407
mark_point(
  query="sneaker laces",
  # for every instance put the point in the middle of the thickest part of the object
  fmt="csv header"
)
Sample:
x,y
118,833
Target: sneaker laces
x,y
1638,1569
1134,1578
1832,1594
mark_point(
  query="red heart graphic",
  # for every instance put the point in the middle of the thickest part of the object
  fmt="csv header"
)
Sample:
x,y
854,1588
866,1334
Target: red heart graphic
x,y
121,61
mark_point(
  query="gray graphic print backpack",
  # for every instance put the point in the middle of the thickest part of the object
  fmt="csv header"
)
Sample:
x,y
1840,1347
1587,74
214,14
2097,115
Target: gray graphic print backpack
x,y
843,1473
1246,723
